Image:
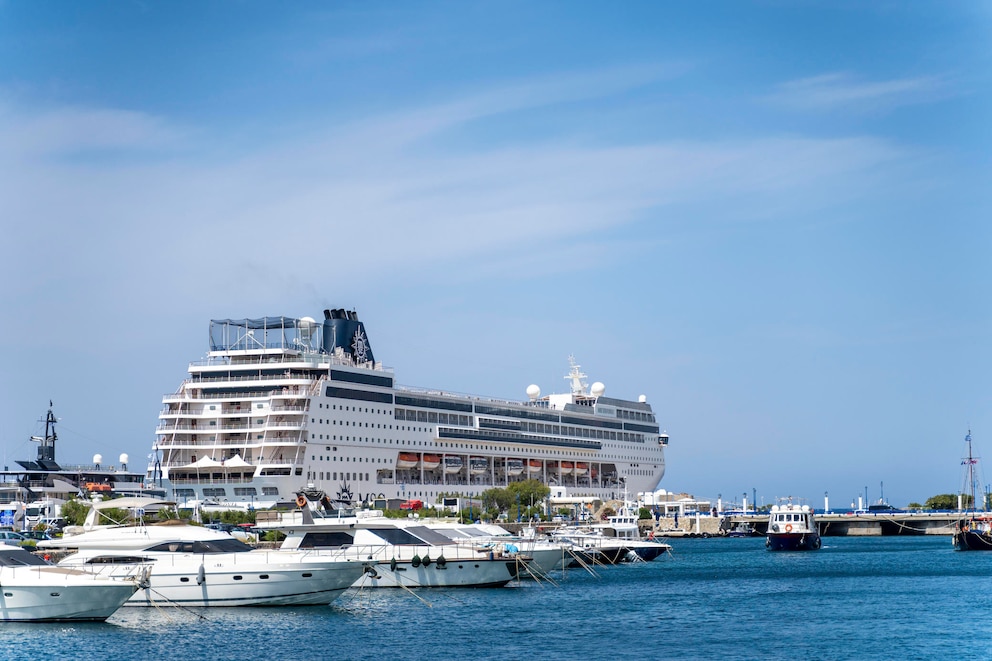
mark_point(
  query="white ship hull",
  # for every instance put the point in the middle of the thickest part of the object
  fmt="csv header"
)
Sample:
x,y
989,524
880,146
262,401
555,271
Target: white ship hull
x,y
277,406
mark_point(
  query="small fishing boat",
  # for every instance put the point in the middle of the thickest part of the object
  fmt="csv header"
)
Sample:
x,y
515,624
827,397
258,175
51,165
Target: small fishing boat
x,y
431,461
792,528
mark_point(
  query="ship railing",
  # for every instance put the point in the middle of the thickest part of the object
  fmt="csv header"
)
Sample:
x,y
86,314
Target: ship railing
x,y
307,358
449,393
298,379
227,429
187,396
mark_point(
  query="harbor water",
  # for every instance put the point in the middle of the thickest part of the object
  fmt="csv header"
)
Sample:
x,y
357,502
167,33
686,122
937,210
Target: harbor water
x,y
856,598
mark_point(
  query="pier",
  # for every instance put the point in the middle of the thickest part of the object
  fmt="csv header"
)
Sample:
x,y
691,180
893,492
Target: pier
x,y
831,524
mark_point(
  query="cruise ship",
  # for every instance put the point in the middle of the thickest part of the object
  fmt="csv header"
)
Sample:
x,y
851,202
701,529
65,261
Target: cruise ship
x,y
282,406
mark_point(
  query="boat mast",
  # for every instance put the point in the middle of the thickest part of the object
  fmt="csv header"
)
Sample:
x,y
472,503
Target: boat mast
x,y
46,449
970,474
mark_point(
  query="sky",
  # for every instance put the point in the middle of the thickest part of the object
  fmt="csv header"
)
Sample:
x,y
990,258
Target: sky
x,y
770,218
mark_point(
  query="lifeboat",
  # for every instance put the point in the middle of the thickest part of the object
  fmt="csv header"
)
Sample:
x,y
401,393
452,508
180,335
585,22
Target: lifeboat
x,y
431,461
581,468
534,465
407,460
514,466
97,486
452,464
478,465
567,467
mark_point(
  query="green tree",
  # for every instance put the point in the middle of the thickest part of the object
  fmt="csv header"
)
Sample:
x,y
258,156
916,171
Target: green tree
x,y
74,512
530,492
496,500
946,501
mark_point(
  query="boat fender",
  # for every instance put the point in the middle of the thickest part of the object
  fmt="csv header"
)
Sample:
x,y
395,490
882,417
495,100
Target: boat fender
x,y
301,501
816,543
201,575
788,527
427,560
416,561
441,562
392,564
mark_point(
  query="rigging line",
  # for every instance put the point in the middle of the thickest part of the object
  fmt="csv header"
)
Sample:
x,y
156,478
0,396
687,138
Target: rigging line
x,y
175,604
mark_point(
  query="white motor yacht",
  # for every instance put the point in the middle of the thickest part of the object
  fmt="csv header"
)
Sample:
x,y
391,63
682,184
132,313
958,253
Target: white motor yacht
x,y
197,566
34,590
615,541
407,554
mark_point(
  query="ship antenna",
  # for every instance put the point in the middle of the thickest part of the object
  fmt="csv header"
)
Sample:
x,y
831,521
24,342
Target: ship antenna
x,y
575,376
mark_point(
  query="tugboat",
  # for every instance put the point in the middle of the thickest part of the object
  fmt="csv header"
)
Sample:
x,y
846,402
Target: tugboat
x,y
792,528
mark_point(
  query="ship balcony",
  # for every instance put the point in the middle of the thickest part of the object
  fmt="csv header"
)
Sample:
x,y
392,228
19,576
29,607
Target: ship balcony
x,y
193,395
167,428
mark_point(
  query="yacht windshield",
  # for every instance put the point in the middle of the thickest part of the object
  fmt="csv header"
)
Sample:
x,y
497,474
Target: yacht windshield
x,y
212,546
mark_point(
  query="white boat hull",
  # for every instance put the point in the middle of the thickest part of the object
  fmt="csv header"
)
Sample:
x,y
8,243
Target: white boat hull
x,y
245,580
50,594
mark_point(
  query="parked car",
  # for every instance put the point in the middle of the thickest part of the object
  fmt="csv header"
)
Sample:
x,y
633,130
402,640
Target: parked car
x,y
36,535
11,538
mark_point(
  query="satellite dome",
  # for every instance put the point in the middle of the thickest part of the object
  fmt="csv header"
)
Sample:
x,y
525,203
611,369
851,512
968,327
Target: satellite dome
x,y
642,398
122,459
533,391
98,459
597,389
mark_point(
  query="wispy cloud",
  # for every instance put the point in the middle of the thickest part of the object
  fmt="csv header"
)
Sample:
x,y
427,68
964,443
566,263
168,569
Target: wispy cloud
x,y
29,132
839,90
390,187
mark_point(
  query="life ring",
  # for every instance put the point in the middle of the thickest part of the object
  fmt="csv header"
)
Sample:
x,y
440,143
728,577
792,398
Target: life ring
x,y
301,501
788,527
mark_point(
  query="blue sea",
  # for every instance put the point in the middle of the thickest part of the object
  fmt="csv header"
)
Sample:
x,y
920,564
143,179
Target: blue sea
x,y
856,598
